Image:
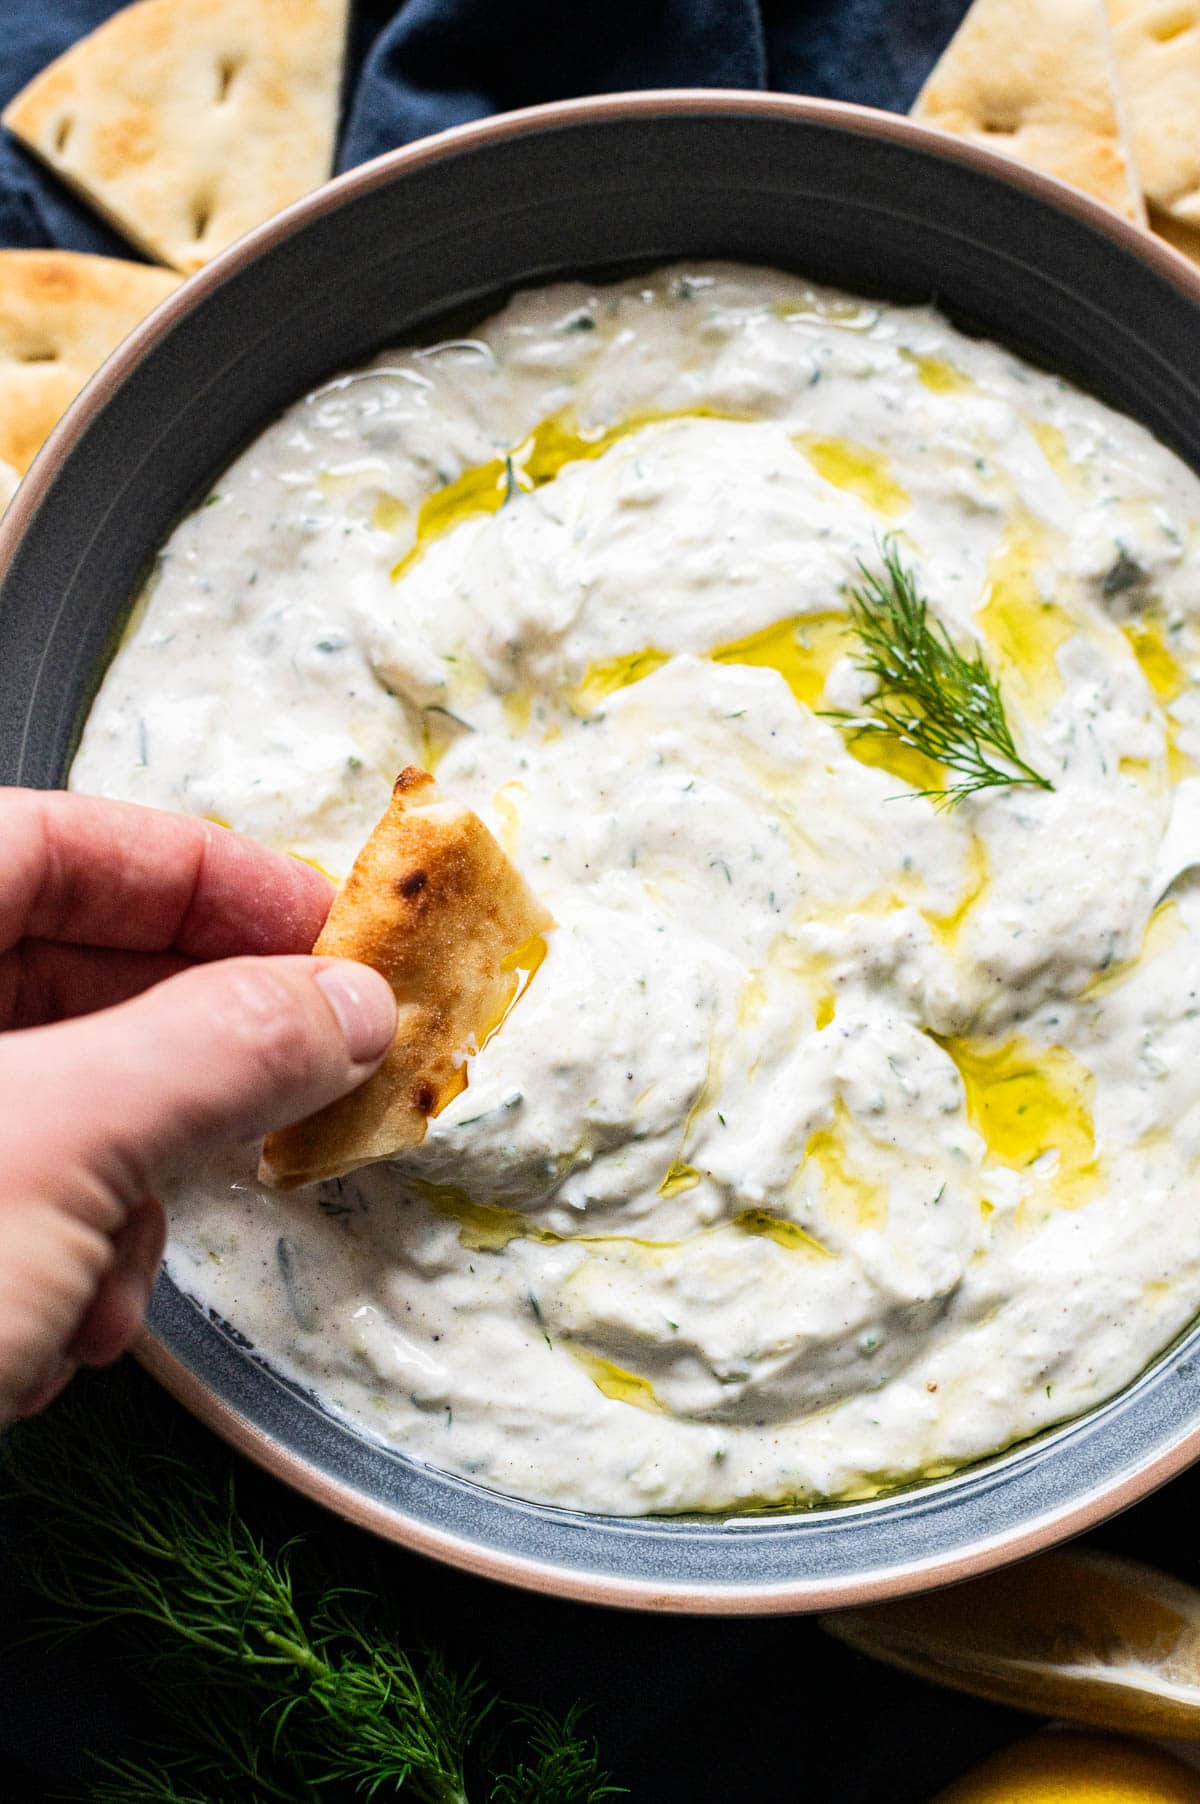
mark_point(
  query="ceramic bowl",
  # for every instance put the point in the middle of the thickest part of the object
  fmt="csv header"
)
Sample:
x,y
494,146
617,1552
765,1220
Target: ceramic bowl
x,y
865,200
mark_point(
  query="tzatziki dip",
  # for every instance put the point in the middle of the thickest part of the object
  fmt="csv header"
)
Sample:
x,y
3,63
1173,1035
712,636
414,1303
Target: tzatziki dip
x,y
841,1136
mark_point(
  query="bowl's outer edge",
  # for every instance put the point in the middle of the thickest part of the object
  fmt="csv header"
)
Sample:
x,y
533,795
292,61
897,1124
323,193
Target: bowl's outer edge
x,y
869,199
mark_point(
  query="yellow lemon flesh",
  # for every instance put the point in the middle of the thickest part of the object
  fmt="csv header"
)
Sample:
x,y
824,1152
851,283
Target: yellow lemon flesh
x,y
1077,1635
1076,1769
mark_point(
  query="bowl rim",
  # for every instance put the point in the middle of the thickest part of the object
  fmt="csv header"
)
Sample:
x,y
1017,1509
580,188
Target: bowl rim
x,y
675,1597
649,103
794,1595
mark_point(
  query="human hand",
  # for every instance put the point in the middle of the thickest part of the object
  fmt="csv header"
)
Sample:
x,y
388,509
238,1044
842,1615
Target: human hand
x,y
133,921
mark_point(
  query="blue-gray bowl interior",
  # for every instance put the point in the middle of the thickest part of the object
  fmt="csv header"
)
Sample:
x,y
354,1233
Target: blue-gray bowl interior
x,y
827,198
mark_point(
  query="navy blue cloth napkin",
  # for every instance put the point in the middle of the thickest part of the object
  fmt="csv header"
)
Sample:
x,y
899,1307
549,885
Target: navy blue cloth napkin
x,y
427,64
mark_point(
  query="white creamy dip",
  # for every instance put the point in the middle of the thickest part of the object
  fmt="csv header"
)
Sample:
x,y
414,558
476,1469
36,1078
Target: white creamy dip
x,y
838,1139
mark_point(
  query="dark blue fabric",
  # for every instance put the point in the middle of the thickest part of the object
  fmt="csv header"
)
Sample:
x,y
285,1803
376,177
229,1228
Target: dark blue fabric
x,y
426,64
438,62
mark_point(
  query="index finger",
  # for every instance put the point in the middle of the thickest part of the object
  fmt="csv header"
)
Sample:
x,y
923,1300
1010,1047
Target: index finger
x,y
100,873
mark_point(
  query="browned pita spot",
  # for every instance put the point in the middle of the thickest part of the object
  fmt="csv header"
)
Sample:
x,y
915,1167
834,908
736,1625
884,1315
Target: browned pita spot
x,y
435,905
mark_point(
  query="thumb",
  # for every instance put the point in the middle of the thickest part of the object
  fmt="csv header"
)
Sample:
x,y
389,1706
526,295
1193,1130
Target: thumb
x,y
95,1108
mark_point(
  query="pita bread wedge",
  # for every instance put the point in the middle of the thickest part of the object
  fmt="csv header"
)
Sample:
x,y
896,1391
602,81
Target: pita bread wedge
x,y
1185,238
1158,57
61,313
435,905
186,122
1036,79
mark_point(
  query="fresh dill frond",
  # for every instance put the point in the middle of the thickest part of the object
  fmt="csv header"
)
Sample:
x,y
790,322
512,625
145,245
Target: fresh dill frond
x,y
272,1680
929,695
133,1783
559,1766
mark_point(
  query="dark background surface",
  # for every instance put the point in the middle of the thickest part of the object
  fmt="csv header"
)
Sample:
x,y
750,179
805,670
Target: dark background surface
x,y
684,1709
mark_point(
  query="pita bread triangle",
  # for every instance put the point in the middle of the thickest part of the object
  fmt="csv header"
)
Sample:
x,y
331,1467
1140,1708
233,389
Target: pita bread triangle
x,y
1158,56
61,314
1036,80
436,906
186,122
1184,238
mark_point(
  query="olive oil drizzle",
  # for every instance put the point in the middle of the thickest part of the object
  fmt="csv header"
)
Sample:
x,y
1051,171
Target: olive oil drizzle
x,y
803,650
936,374
552,445
832,1153
783,1231
1023,628
1147,639
558,441
519,968
1027,1101
1164,929
858,469
615,1382
488,1227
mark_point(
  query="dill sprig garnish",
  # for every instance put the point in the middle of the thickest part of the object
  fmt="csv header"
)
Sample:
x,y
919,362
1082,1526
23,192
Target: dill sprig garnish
x,y
273,1681
928,694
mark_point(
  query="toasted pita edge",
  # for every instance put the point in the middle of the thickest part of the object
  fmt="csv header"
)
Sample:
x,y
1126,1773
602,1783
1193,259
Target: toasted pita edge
x,y
1038,82
1158,61
186,122
1175,232
434,904
62,313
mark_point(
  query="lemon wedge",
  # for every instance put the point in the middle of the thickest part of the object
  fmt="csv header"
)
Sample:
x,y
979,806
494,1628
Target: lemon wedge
x,y
1076,1769
1078,1635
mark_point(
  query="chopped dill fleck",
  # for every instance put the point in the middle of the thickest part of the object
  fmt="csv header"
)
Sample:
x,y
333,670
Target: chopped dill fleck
x,y
536,1311
333,1207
